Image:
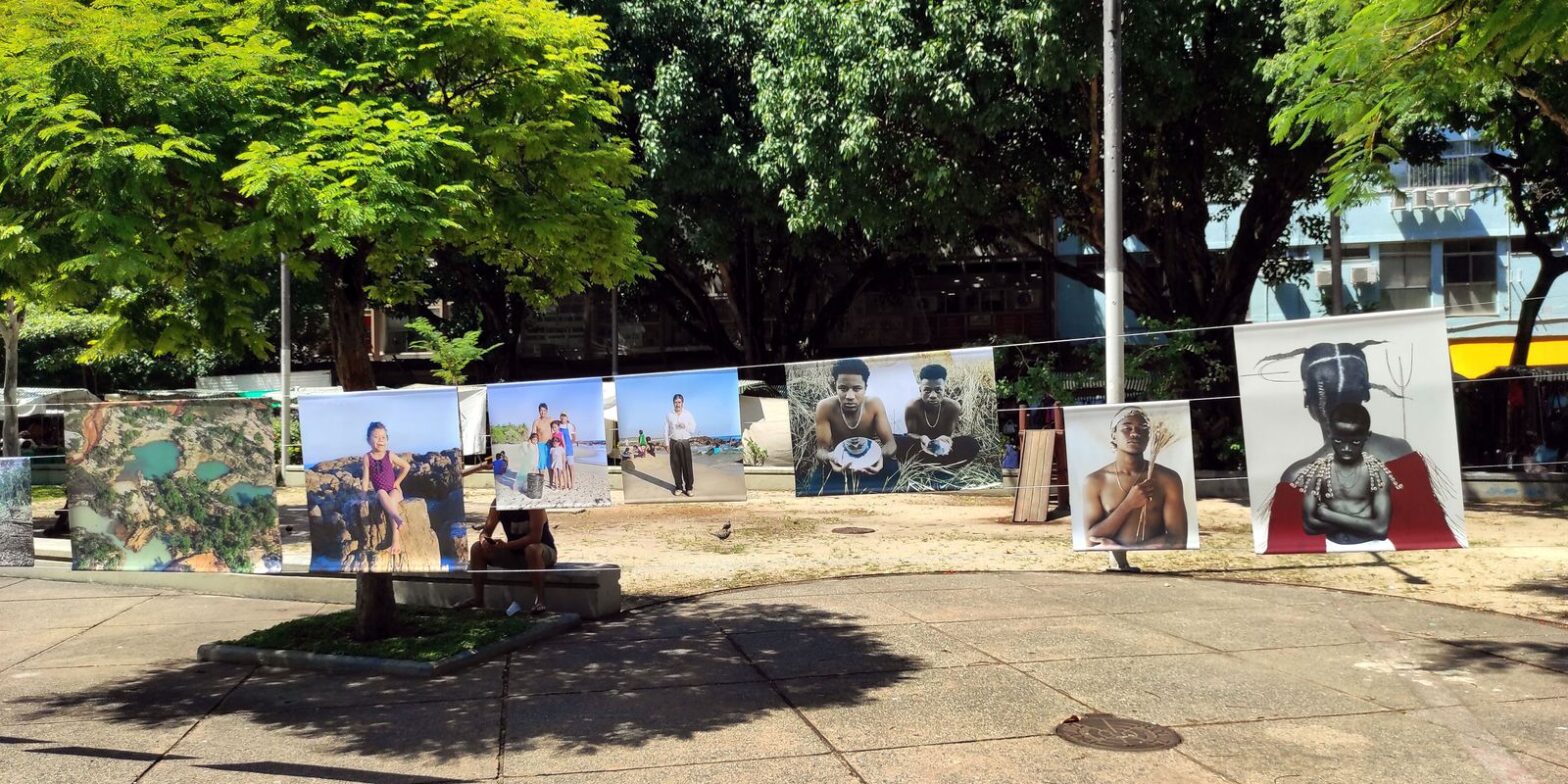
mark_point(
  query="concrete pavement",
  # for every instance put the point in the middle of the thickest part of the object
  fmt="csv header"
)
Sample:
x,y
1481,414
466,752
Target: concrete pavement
x,y
913,678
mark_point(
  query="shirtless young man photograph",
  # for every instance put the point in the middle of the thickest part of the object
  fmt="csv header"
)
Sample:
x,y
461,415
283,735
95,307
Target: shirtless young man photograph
x,y
1346,494
1126,506
849,413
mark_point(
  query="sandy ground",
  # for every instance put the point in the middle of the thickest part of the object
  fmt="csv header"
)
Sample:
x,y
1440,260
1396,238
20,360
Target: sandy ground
x,y
591,487
1518,561
714,477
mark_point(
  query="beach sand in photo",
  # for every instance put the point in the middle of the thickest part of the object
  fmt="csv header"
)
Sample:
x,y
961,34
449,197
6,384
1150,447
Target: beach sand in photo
x,y
717,478
592,482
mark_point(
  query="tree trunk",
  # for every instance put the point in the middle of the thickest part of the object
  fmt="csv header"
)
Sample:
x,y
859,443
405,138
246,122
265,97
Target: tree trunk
x,y
345,279
11,329
1552,268
375,607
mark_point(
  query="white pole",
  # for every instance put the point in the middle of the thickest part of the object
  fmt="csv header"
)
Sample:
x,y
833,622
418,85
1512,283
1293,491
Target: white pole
x,y
1115,382
285,359
1115,386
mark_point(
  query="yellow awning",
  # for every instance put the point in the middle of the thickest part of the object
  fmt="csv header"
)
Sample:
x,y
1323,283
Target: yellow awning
x,y
1476,358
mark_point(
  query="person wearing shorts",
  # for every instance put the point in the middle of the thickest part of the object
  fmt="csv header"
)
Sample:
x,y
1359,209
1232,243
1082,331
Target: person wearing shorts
x,y
529,545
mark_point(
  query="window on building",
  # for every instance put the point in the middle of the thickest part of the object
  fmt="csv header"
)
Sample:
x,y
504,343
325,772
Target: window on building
x,y
1461,165
1470,276
1405,271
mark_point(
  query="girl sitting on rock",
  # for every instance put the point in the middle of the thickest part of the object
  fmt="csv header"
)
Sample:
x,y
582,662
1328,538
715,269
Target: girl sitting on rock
x,y
383,471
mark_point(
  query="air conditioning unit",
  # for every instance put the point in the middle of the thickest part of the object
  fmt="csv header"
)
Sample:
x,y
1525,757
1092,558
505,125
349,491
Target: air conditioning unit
x,y
1363,276
1325,278
1419,200
1461,198
1399,202
1439,199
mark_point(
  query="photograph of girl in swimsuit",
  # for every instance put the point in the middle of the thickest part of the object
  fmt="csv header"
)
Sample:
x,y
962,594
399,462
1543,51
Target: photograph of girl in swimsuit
x,y
383,481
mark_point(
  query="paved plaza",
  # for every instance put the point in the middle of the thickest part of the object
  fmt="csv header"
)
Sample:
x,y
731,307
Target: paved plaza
x,y
912,678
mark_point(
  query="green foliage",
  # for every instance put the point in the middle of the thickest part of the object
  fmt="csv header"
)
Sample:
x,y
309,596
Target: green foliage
x,y
422,634
1179,363
755,455
976,122
160,154
94,551
510,434
1375,72
451,355
56,343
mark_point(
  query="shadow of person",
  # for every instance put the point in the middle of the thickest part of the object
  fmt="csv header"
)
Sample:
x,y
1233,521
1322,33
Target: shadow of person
x,y
649,478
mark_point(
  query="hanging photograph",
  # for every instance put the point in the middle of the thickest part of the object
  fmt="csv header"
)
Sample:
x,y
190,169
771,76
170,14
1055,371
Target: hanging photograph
x,y
547,444
1131,474
176,487
679,436
1350,434
383,481
16,512
894,424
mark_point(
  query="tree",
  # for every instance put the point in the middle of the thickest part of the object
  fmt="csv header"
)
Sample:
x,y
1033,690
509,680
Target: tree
x,y
451,355
1383,75
966,123
168,150
736,274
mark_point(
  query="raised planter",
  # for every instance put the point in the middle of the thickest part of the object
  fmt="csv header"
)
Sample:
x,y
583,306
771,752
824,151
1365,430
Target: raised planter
x,y
403,668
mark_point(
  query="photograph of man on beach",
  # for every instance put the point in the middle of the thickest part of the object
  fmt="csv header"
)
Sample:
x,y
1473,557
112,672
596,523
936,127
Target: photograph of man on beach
x,y
383,481
547,444
901,423
1132,476
680,436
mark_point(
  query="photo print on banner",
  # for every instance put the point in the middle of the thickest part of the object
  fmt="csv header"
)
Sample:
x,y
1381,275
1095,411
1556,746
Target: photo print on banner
x,y
16,512
548,446
679,436
893,424
1351,440
383,481
1132,477
176,487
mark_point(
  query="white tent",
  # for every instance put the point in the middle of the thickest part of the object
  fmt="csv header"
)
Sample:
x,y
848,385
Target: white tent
x,y
32,401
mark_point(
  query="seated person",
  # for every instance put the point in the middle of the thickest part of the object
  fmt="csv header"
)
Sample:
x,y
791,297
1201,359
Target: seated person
x,y
529,545
1346,494
931,421
500,465
852,414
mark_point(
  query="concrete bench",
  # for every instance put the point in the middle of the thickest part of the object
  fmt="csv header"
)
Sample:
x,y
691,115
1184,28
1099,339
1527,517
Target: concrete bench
x,y
591,590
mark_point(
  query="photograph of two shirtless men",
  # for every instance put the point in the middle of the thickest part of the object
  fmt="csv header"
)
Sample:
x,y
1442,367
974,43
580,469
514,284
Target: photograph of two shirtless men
x,y
902,423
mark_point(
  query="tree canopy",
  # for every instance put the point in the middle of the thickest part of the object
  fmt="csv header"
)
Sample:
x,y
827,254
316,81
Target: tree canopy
x,y
970,122
1386,77
161,153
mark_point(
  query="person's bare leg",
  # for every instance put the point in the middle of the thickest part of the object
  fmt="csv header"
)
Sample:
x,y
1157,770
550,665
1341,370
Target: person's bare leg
x,y
389,503
533,556
477,563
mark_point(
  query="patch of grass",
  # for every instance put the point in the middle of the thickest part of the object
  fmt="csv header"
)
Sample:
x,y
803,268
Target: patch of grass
x,y
48,493
423,634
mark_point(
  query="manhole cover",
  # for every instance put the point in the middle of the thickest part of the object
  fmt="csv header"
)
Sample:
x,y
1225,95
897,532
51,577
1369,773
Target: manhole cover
x,y
1114,733
853,529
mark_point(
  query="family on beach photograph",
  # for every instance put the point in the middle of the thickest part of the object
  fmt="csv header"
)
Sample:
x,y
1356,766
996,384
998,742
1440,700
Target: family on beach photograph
x,y
679,436
1352,444
1131,471
901,423
383,481
547,444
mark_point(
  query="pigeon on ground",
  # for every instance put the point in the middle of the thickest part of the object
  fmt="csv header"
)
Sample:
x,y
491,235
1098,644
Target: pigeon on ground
x,y
723,533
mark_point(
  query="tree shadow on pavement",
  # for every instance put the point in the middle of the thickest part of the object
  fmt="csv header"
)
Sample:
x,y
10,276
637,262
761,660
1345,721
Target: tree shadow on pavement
x,y
1499,655
666,672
